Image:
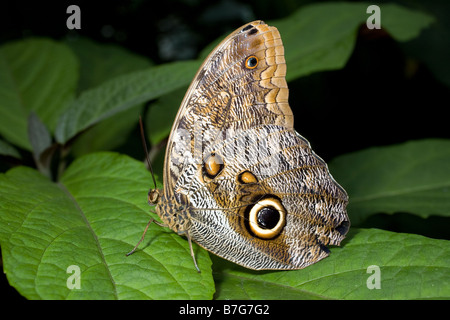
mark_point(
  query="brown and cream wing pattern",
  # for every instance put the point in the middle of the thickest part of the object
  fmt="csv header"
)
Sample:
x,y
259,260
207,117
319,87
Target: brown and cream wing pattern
x,y
248,186
230,93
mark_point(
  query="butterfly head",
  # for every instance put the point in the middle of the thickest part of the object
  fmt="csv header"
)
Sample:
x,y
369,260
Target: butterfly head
x,y
153,196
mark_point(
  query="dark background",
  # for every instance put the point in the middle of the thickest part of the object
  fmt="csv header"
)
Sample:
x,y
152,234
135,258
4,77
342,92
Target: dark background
x,y
387,93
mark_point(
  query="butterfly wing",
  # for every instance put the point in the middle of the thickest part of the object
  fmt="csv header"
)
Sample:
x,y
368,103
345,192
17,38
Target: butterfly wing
x,y
227,96
266,166
257,193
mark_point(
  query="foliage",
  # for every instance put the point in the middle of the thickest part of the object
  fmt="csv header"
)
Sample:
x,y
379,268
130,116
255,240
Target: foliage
x,y
94,211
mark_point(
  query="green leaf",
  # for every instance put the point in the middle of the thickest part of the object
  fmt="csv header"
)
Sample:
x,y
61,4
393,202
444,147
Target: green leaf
x,y
411,177
410,267
39,136
7,150
41,141
122,93
90,219
404,24
100,63
108,134
162,114
433,46
36,74
321,36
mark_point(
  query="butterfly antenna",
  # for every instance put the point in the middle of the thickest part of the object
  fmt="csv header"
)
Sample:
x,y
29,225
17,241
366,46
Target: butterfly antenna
x,y
144,144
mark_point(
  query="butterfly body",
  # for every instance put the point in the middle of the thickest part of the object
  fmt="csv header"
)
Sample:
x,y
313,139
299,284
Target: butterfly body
x,y
238,179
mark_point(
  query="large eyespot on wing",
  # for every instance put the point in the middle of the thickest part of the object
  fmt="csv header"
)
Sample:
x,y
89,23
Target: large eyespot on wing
x,y
266,217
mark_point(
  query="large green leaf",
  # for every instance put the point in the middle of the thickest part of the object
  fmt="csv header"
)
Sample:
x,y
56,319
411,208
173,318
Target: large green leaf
x,y
411,177
90,219
409,267
403,24
100,63
36,74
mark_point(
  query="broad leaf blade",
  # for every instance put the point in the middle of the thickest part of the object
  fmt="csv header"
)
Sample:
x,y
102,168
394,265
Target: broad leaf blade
x,y
411,267
36,74
411,177
404,24
122,93
100,63
90,219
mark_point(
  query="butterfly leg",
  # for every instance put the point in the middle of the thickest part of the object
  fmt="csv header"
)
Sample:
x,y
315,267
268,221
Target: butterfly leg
x,y
192,251
143,235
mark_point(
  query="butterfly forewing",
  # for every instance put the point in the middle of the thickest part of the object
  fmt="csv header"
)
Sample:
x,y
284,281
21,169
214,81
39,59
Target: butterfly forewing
x,y
238,179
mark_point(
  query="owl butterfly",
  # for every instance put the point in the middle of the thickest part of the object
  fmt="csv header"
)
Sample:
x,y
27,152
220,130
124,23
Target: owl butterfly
x,y
238,179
